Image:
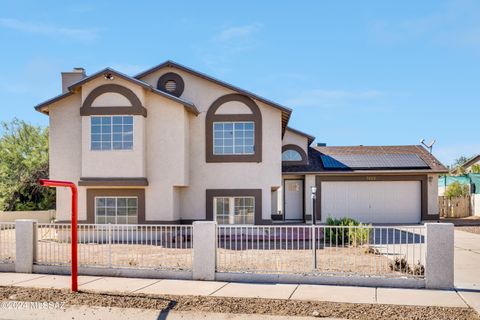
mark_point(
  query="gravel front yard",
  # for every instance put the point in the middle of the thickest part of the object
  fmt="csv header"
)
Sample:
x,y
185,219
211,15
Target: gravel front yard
x,y
239,305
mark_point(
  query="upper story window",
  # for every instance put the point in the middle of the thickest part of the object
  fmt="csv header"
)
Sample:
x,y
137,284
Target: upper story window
x,y
111,132
233,138
233,134
291,155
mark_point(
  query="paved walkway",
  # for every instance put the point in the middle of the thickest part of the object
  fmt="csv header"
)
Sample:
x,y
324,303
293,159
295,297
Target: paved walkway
x,y
393,296
467,267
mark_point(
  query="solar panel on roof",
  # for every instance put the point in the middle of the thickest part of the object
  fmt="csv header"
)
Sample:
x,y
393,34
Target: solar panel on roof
x,y
373,161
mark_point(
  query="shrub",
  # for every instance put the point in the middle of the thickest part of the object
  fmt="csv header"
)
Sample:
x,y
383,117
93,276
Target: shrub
x,y
346,235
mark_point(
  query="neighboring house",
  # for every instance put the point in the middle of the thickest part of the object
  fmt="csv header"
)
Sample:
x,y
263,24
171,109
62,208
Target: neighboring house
x,y
467,166
172,145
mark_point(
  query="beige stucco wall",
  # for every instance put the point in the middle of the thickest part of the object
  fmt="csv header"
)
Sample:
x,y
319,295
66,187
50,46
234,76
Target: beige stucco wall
x,y
66,153
264,175
432,194
167,157
291,137
111,99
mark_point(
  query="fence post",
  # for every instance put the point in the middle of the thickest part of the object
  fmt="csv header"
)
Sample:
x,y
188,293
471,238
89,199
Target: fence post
x,y
439,256
25,245
109,245
204,250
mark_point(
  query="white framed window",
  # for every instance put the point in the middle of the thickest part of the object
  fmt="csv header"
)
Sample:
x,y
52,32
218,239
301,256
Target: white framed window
x,y
111,132
233,138
291,155
234,210
116,210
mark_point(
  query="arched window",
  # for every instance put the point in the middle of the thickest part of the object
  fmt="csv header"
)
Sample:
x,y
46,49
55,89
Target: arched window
x,y
293,155
235,136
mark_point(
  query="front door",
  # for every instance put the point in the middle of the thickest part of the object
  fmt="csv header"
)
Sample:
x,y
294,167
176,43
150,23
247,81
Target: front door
x,y
293,195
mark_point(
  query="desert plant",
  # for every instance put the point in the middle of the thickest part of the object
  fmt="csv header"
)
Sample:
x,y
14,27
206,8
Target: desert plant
x,y
371,250
456,189
418,269
400,264
351,232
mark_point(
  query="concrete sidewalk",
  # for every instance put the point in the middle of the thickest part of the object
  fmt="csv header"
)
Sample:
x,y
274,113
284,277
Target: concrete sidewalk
x,y
413,297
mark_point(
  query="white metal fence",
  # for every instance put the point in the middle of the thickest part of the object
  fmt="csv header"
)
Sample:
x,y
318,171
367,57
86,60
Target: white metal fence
x,y
159,247
7,242
326,250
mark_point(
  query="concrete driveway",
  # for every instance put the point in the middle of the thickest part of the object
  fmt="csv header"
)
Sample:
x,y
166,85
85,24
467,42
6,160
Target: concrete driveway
x,y
467,260
467,267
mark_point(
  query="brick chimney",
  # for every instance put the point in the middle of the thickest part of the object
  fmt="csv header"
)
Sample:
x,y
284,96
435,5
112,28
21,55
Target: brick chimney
x,y
70,77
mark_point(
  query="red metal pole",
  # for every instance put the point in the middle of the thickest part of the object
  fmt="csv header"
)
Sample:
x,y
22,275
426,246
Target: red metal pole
x,y
74,237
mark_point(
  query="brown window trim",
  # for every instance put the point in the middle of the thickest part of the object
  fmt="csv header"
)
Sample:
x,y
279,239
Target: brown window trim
x,y
294,147
422,178
113,182
211,117
92,193
256,193
135,109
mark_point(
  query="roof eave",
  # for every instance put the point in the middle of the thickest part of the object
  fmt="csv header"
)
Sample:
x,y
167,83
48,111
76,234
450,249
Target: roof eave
x,y
73,88
367,172
286,112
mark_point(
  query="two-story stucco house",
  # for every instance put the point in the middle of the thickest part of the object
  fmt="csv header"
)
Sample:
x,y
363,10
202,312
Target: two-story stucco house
x,y
173,145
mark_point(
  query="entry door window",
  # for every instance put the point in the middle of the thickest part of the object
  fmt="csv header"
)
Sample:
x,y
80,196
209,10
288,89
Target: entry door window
x,y
116,210
234,210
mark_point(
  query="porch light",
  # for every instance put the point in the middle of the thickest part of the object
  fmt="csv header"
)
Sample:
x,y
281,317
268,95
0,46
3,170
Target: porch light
x,y
314,191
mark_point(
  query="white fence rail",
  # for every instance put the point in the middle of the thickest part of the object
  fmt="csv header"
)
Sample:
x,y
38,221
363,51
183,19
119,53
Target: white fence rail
x,y
7,242
326,250
159,247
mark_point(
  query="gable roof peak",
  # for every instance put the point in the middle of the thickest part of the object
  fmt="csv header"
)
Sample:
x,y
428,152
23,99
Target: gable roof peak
x,y
107,73
286,112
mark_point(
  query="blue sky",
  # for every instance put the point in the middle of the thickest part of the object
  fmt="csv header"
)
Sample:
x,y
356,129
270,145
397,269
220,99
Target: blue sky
x,y
354,72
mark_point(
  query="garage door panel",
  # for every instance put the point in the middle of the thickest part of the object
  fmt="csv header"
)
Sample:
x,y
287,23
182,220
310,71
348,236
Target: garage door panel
x,y
372,201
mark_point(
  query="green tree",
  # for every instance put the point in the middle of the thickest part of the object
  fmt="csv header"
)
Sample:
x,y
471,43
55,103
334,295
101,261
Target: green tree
x,y
24,160
459,161
456,190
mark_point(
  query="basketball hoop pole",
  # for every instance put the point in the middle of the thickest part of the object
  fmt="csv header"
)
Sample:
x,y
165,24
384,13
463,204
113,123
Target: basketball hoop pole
x,y
74,237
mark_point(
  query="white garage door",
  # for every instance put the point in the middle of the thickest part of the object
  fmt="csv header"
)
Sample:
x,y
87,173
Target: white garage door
x,y
372,201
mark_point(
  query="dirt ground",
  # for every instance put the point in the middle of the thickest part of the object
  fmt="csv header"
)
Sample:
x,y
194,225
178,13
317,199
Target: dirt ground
x,y
354,260
239,305
472,229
